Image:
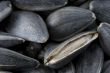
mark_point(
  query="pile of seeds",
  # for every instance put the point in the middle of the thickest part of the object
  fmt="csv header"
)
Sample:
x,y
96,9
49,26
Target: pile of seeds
x,y
54,36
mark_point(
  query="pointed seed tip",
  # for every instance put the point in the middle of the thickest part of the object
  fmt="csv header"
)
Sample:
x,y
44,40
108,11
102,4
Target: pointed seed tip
x,y
37,65
43,39
66,2
101,25
93,15
91,6
21,39
10,5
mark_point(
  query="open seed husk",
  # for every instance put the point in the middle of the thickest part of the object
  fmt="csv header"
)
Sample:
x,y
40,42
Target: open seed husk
x,y
91,61
7,40
10,60
68,21
101,8
5,9
67,69
28,25
104,37
59,55
39,5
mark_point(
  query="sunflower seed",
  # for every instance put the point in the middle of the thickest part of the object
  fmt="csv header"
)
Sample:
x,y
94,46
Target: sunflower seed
x,y
39,5
10,60
102,9
5,9
104,35
63,53
91,61
67,22
7,40
29,26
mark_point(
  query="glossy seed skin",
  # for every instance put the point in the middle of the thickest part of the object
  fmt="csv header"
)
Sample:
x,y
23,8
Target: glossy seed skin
x,y
104,37
58,55
39,5
28,25
5,9
7,40
10,60
101,8
67,69
68,21
48,49
91,61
